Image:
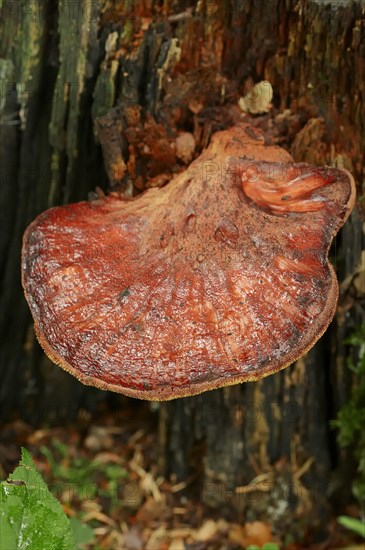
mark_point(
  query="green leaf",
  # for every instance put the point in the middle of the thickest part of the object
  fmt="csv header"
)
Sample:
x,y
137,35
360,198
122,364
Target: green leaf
x,y
355,525
83,534
30,516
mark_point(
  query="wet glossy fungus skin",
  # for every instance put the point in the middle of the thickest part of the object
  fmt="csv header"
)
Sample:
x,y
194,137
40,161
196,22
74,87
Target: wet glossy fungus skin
x,y
218,278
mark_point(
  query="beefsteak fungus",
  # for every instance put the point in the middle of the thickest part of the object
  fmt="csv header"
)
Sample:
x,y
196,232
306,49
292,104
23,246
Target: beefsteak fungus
x,y
218,278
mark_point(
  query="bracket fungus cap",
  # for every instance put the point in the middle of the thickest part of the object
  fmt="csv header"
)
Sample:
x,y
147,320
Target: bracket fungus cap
x,y
218,278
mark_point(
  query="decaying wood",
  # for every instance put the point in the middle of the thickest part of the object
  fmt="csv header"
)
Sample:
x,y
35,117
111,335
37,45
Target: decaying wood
x,y
186,68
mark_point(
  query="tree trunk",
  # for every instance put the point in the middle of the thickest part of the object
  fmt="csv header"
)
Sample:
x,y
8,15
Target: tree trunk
x,y
66,82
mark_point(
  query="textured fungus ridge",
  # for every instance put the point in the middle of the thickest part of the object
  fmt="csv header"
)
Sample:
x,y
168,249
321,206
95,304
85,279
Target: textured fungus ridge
x,y
220,277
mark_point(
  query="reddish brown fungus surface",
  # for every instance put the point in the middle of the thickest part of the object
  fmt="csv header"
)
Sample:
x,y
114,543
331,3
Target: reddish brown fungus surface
x,y
220,277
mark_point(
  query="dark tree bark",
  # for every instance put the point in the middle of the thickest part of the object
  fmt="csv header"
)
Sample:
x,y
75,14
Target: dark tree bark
x,y
61,69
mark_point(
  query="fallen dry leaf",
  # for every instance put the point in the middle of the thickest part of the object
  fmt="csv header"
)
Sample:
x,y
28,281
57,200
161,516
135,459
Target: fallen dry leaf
x,y
236,534
99,516
133,539
181,532
151,510
177,544
159,540
206,531
258,533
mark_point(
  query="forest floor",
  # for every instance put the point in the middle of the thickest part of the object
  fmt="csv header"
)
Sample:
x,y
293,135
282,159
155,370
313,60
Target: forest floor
x,y
104,471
